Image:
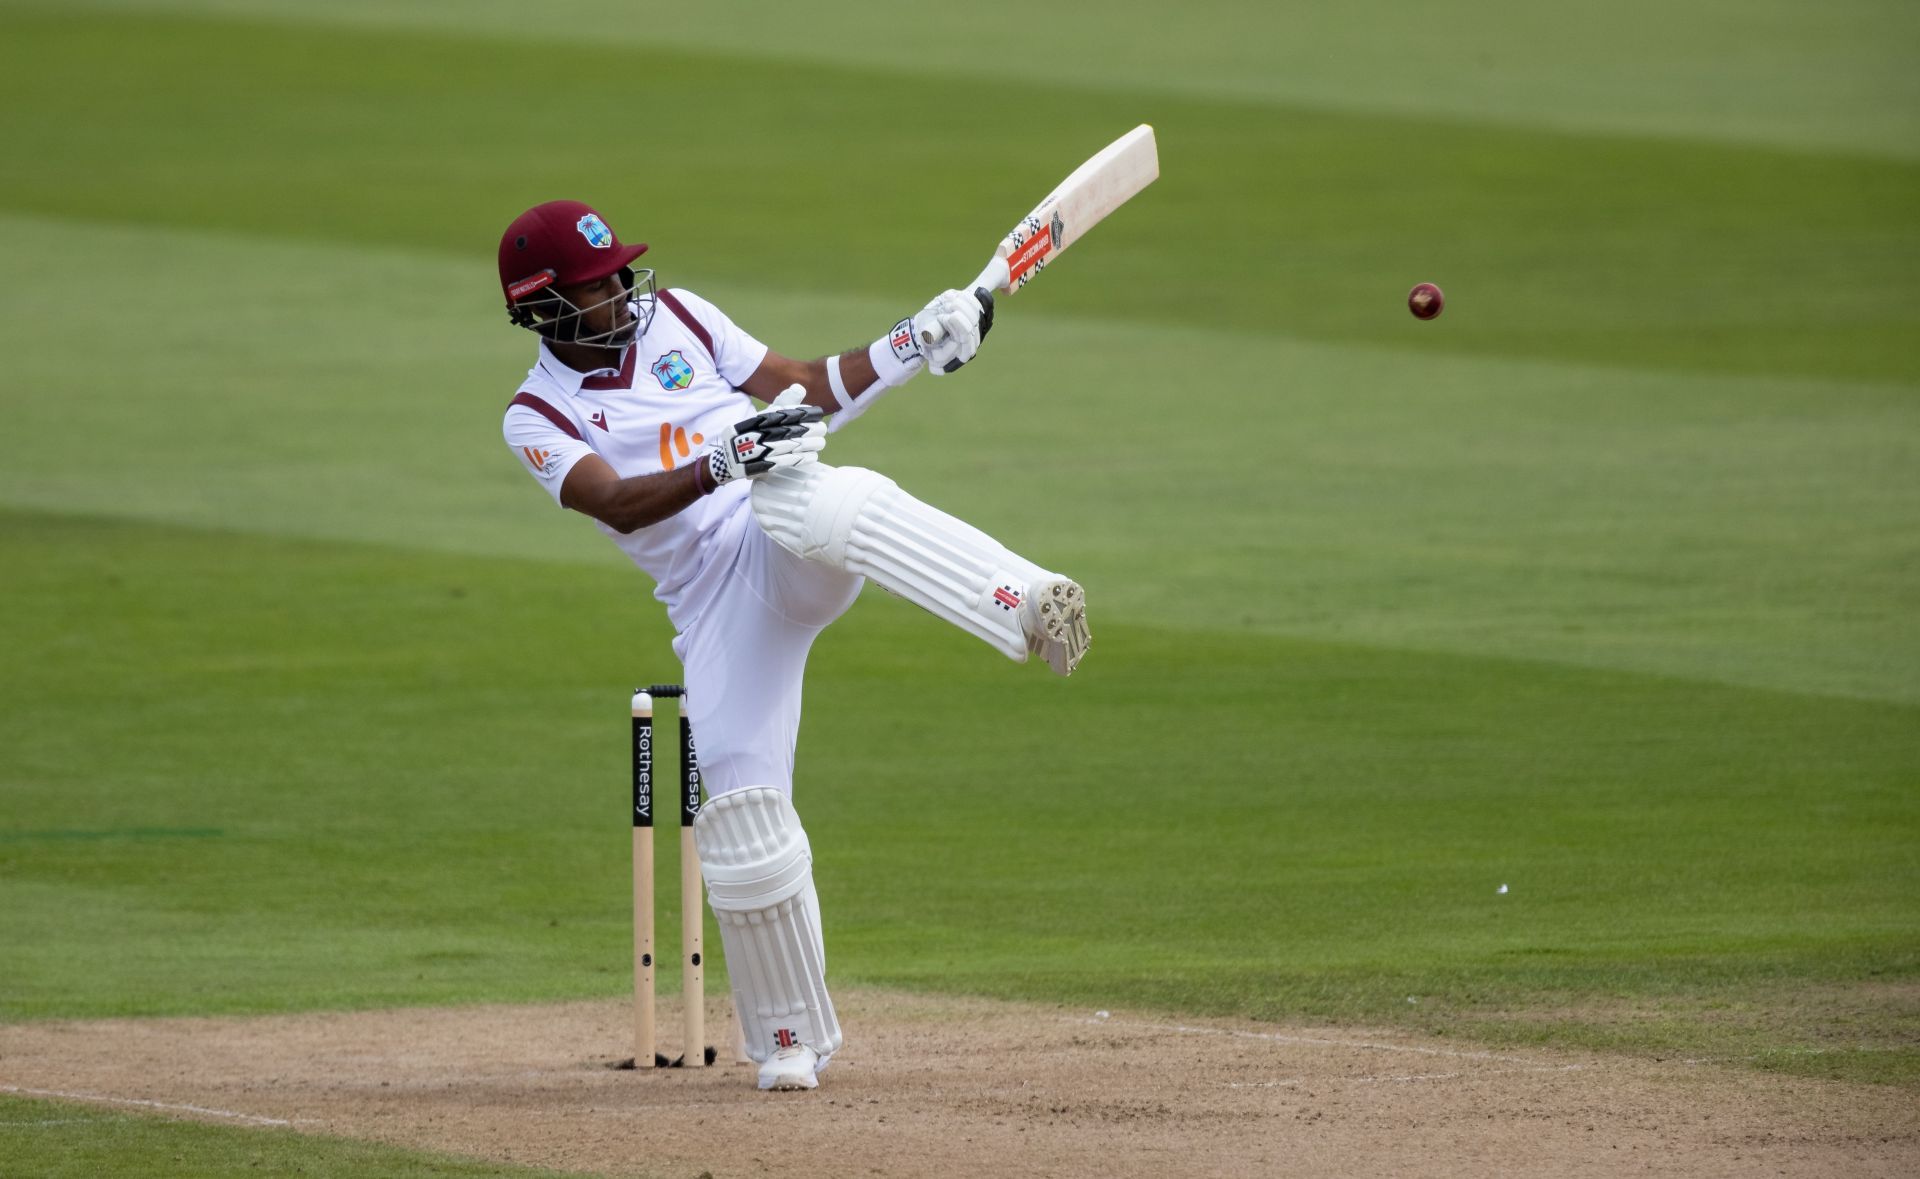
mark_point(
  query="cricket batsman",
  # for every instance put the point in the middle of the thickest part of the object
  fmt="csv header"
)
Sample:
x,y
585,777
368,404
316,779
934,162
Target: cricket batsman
x,y
636,413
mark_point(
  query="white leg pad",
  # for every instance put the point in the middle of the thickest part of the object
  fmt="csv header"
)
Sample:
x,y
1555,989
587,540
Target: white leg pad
x,y
759,871
860,521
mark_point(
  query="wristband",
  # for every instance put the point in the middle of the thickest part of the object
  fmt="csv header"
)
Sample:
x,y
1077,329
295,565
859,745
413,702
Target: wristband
x,y
895,356
852,405
703,475
838,384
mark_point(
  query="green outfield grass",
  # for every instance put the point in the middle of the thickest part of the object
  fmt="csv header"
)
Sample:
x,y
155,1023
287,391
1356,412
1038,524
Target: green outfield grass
x,y
65,1140
1602,587
235,785
1645,252
1829,78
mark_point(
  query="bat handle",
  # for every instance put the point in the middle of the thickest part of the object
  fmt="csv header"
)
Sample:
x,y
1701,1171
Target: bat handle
x,y
993,278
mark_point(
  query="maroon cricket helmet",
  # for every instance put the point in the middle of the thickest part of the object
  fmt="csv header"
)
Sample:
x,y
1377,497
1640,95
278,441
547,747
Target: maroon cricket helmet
x,y
559,243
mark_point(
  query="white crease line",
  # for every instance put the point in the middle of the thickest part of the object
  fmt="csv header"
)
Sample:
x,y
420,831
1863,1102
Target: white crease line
x,y
1277,1038
105,1100
1545,1068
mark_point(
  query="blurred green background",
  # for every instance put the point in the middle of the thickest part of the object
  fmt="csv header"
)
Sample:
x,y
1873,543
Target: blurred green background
x,y
1603,586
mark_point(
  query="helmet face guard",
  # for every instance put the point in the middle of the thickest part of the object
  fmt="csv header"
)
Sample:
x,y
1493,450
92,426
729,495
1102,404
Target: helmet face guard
x,y
536,306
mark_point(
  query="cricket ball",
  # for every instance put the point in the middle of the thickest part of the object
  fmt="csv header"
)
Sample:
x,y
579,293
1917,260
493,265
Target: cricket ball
x,y
1425,301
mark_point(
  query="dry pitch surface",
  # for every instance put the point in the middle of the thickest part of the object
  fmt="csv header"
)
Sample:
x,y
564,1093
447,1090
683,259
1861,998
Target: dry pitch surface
x,y
938,1086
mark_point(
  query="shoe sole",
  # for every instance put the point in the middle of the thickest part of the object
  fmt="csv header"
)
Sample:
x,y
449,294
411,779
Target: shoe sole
x,y
788,1083
1060,624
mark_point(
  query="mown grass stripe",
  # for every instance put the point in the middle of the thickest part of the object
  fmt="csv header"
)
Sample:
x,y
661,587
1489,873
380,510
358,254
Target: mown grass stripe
x,y
1825,78
1550,244
128,833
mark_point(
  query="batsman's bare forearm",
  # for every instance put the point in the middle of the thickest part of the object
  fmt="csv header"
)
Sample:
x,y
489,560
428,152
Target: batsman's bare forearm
x,y
856,373
593,488
776,372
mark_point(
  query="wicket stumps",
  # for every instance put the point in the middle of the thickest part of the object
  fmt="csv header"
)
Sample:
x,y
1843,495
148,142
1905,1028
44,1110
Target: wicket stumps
x,y
695,1052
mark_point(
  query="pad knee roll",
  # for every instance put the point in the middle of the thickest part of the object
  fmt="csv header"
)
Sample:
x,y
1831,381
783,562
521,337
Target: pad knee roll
x,y
858,520
812,512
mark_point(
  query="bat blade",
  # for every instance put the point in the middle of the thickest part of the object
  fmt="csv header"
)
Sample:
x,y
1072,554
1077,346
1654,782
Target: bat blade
x,y
1109,179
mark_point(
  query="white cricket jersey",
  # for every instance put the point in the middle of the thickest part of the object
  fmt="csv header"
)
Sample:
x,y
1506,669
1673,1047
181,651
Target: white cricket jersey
x,y
675,390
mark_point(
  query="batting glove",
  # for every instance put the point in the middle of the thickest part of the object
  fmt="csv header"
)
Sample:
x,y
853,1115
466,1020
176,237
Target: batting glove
x,y
785,434
949,330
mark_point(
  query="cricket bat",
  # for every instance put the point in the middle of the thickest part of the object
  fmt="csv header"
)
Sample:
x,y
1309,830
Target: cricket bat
x,y
1096,188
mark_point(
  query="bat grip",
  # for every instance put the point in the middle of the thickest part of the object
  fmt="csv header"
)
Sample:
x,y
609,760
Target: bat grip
x,y
993,278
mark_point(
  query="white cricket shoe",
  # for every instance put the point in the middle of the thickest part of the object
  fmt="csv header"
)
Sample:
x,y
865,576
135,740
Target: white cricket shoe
x,y
791,1068
1056,620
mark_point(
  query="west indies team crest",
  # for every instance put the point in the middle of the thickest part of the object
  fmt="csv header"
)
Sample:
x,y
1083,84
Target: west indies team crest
x,y
595,231
672,371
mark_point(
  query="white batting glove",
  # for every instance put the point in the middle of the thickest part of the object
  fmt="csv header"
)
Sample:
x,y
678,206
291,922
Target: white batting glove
x,y
785,434
948,330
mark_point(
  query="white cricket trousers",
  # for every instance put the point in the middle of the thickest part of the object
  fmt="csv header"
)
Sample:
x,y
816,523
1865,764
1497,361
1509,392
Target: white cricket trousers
x,y
745,656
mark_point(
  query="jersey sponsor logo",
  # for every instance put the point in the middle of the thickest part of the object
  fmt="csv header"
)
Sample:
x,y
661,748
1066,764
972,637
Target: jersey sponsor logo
x,y
543,462
595,231
672,371
1007,598
674,439
643,775
599,419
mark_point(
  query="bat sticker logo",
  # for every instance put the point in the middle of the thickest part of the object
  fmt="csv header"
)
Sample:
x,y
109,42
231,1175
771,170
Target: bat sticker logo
x,y
1032,242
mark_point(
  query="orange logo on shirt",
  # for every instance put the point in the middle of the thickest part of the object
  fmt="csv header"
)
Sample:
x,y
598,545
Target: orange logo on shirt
x,y
674,439
539,460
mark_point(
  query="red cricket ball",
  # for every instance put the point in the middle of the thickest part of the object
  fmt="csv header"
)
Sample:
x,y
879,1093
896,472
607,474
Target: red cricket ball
x,y
1425,301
